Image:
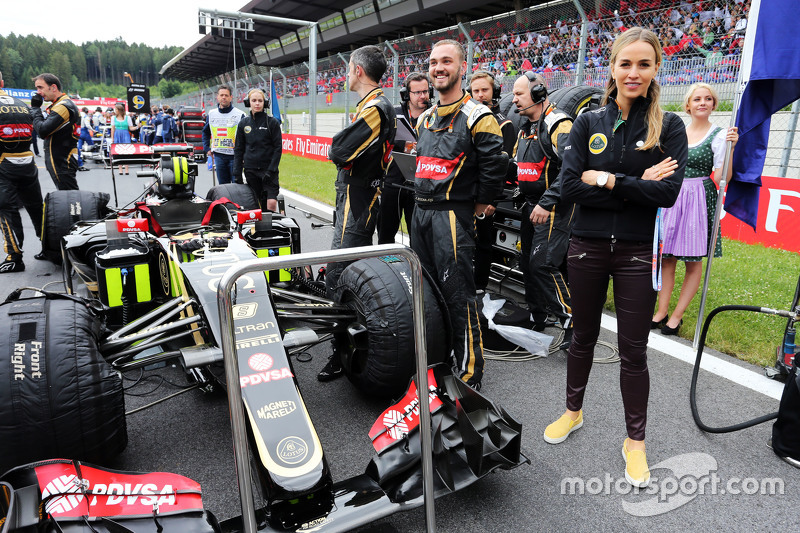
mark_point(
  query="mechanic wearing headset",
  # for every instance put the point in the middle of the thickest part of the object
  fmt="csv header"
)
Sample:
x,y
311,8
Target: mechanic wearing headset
x,y
416,96
19,178
486,90
460,171
257,151
219,134
60,130
546,219
361,152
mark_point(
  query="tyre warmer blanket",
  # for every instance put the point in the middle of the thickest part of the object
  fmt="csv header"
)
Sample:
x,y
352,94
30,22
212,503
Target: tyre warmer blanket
x,y
68,496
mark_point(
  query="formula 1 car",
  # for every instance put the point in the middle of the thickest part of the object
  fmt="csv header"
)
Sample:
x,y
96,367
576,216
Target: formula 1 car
x,y
147,293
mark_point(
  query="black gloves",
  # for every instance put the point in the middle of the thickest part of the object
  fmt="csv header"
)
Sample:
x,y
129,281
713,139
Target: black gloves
x,y
37,101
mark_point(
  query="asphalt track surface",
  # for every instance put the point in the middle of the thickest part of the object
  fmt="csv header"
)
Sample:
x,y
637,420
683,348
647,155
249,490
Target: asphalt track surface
x,y
696,472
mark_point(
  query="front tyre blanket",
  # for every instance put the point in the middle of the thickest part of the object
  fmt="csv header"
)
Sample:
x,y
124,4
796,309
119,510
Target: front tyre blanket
x,y
235,192
379,289
62,209
58,396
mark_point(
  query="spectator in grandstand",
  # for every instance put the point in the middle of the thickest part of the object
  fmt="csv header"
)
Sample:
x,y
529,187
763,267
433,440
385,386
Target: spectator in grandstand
x,y
485,89
688,224
361,153
546,219
121,129
257,151
463,167
618,188
219,134
415,97
86,135
59,130
713,57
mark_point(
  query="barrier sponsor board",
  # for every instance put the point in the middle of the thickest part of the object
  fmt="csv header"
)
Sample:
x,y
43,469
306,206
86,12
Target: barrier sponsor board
x,y
778,216
308,146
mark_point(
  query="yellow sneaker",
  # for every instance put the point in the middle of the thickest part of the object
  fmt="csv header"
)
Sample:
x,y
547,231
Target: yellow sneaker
x,y
636,471
559,430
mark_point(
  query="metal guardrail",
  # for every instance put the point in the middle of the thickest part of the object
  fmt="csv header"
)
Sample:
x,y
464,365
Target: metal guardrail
x,y
238,426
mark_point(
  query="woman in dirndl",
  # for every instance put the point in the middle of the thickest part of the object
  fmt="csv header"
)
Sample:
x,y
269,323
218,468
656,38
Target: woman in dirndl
x,y
689,223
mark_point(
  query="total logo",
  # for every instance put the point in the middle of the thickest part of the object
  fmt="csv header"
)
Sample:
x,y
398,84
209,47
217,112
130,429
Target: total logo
x,y
69,489
260,362
395,424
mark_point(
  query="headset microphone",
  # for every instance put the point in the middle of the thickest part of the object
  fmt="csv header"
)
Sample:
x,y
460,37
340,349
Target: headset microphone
x,y
530,106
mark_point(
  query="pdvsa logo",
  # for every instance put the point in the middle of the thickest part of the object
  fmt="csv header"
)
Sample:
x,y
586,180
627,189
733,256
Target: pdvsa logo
x,y
68,487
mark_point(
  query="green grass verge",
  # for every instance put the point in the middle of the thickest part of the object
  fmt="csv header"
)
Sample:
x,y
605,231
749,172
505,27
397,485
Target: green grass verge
x,y
744,275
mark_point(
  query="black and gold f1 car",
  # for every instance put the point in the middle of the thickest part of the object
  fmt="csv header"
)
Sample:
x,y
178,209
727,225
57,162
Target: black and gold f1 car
x,y
142,289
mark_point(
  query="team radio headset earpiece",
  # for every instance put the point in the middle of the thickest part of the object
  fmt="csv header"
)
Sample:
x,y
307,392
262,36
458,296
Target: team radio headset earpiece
x,y
538,91
405,94
251,91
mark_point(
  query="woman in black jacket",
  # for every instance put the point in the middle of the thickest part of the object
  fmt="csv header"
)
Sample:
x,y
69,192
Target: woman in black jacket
x,y
623,162
257,151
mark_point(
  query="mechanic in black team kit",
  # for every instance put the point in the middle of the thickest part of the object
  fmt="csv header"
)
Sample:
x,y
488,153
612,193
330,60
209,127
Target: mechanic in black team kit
x,y
19,178
546,219
486,90
415,96
59,131
460,171
257,152
361,152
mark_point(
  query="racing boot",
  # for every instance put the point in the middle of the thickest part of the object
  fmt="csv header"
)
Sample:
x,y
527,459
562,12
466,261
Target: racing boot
x,y
566,342
13,263
333,369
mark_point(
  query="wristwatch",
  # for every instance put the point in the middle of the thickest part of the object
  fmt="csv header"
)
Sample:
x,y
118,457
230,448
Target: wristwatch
x,y
602,179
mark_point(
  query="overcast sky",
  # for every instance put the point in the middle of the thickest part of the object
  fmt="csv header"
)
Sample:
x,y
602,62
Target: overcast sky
x,y
153,22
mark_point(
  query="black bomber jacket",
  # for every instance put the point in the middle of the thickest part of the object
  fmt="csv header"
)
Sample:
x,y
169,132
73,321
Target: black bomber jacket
x,y
628,211
258,144
60,130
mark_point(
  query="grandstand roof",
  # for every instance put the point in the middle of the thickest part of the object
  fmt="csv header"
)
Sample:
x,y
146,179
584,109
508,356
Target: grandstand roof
x,y
349,26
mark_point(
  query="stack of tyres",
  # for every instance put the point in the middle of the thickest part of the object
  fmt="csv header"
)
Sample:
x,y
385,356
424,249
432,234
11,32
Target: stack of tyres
x,y
192,133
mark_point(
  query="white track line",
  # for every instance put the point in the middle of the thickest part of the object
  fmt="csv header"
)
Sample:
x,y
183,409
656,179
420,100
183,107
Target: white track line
x,y
735,373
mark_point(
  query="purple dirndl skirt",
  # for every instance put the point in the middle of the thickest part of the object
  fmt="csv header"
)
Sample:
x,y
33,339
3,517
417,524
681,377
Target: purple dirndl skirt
x,y
686,223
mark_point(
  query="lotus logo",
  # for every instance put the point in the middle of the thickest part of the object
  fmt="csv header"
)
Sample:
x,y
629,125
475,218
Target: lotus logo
x,y
292,450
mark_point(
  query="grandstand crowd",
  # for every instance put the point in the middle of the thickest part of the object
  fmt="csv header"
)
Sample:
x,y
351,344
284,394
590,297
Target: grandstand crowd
x,y
705,38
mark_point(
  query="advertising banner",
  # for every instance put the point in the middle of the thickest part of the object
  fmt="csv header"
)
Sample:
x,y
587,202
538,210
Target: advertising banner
x,y
778,216
307,146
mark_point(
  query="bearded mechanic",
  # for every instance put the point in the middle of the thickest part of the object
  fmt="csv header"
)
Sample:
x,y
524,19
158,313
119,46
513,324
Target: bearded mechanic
x,y
461,166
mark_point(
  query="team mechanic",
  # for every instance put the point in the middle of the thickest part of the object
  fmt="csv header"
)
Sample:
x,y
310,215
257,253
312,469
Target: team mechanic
x,y
361,152
19,178
59,131
396,201
460,170
219,134
546,219
486,90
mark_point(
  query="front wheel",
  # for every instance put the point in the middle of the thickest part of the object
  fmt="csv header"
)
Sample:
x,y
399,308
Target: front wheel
x,y
380,357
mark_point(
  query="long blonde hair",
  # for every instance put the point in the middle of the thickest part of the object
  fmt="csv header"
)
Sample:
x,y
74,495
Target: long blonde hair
x,y
655,116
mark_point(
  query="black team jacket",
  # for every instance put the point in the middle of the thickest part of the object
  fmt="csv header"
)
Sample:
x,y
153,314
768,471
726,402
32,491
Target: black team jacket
x,y
60,130
258,144
363,150
460,157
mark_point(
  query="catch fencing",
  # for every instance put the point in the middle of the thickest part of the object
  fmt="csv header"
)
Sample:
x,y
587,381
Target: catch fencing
x,y
567,42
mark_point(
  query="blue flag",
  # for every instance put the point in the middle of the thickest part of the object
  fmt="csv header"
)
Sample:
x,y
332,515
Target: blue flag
x,y
770,74
273,96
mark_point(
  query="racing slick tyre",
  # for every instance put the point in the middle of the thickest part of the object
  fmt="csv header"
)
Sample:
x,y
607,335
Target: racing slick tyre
x,y
58,396
576,99
235,192
381,358
62,209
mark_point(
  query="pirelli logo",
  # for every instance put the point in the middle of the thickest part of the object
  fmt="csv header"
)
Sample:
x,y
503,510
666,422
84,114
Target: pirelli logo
x,y
255,342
